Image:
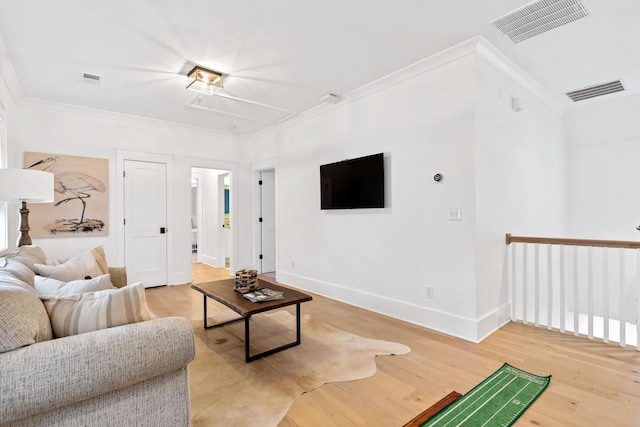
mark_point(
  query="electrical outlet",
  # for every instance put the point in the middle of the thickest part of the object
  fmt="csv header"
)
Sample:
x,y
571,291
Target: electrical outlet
x,y
455,214
293,265
428,292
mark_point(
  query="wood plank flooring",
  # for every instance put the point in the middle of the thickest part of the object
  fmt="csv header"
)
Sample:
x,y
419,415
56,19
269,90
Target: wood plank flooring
x,y
592,384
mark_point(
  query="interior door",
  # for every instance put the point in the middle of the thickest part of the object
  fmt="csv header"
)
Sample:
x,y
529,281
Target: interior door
x,y
268,223
145,210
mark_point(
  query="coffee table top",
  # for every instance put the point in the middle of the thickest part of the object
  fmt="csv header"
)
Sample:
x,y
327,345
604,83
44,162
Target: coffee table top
x,y
223,292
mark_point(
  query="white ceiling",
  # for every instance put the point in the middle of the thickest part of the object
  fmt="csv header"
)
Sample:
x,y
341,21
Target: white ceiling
x,y
283,55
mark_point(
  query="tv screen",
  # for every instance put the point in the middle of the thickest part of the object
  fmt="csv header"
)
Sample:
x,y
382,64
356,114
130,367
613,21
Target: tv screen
x,y
353,184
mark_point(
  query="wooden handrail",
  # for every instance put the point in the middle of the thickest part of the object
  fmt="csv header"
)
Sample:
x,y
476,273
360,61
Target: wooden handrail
x,y
573,242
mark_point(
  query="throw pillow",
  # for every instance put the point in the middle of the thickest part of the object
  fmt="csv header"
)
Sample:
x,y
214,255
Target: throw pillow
x,y
75,268
49,286
97,253
80,313
23,318
28,255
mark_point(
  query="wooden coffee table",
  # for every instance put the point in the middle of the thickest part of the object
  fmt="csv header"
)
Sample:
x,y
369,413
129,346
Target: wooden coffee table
x,y
223,292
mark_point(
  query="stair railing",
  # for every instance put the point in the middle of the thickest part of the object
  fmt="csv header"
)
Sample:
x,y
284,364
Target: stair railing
x,y
579,285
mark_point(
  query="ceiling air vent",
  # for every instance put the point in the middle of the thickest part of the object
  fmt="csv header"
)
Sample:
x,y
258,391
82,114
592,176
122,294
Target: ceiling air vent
x,y
539,17
91,78
597,90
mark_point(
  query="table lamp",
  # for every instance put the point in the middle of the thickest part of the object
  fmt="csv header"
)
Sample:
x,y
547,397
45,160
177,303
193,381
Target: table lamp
x,y
25,185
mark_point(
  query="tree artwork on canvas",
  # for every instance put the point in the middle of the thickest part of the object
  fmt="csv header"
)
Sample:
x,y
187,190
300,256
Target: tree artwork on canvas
x,y
81,205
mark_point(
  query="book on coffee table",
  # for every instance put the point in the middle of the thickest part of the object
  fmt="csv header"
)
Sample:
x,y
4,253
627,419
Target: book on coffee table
x,y
263,294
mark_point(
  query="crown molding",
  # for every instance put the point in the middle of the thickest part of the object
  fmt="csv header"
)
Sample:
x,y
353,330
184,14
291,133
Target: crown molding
x,y
475,46
110,115
494,57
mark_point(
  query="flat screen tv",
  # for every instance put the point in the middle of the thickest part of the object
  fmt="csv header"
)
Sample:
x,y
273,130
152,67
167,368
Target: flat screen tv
x,y
353,184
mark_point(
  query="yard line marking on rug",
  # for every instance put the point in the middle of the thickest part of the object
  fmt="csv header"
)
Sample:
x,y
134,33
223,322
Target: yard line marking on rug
x,y
500,400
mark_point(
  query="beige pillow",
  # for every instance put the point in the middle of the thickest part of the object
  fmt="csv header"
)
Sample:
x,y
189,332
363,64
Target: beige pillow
x,y
23,318
80,313
49,286
97,253
76,268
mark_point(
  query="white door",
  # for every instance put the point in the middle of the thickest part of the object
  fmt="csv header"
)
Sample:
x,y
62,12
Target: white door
x,y
145,211
268,223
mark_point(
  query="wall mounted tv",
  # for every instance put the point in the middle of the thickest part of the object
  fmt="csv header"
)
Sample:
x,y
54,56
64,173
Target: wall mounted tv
x,y
353,184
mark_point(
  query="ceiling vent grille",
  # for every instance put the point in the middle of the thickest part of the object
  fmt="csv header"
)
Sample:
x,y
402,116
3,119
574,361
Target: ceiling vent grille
x,y
594,91
91,78
539,17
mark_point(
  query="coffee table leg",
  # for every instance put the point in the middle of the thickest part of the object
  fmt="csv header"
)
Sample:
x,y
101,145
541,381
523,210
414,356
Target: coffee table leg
x,y
250,358
205,310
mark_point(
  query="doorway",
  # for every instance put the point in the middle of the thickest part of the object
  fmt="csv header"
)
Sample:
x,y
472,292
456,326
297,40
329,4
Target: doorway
x,y
267,221
211,219
145,216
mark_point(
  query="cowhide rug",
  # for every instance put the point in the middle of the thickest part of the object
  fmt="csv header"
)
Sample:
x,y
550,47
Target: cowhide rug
x,y
226,391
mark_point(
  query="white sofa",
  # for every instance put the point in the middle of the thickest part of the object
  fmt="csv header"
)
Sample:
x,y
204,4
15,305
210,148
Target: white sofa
x,y
130,375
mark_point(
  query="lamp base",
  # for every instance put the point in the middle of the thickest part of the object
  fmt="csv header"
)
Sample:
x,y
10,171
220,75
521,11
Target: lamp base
x,y
24,226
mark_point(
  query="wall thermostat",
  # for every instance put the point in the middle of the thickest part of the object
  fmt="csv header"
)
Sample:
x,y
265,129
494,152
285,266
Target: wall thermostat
x,y
438,177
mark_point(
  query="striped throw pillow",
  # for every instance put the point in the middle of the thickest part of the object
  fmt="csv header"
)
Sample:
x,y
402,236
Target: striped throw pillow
x,y
91,311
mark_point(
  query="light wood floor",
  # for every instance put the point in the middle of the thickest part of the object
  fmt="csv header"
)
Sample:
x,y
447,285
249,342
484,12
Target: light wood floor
x,y
592,384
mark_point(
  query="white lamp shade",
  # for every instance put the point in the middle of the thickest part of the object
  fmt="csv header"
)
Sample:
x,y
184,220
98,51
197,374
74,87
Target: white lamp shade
x,y
30,185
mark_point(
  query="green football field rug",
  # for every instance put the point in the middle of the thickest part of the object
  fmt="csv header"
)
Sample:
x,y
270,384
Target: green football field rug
x,y
497,401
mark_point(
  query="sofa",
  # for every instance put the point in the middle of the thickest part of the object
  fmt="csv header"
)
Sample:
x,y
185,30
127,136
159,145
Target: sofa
x,y
129,373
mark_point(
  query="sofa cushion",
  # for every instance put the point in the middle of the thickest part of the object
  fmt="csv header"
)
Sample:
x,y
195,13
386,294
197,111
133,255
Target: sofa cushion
x,y
49,286
23,318
97,253
78,267
13,267
28,255
80,313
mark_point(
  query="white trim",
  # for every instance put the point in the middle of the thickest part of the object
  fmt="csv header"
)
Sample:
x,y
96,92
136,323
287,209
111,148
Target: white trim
x,y
476,45
502,63
168,160
448,323
121,117
232,167
256,169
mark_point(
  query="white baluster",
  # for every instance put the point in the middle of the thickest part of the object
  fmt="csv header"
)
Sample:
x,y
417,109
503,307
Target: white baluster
x,y
576,297
524,283
563,306
536,284
549,288
605,294
623,322
590,290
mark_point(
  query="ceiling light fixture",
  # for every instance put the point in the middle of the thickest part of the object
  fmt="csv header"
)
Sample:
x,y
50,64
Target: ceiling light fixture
x,y
204,81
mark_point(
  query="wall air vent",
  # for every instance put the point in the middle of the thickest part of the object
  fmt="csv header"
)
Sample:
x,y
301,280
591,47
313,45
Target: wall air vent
x,y
91,78
539,17
597,90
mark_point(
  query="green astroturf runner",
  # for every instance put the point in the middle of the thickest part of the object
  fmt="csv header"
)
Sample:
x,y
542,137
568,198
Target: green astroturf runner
x,y
497,401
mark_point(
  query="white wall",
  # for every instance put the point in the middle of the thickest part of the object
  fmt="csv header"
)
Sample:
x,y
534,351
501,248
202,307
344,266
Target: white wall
x,y
44,127
383,258
521,160
450,120
604,177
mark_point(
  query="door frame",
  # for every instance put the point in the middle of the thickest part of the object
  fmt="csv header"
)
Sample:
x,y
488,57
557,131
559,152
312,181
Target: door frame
x,y
232,167
167,160
257,168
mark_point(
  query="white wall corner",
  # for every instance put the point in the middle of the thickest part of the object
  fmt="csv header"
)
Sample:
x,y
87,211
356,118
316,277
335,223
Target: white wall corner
x,y
493,56
8,74
492,321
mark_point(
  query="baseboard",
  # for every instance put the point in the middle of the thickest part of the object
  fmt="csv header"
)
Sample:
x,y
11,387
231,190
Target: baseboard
x,y
448,323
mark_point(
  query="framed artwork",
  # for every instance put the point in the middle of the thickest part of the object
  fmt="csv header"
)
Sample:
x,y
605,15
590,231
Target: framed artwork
x,y
81,204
